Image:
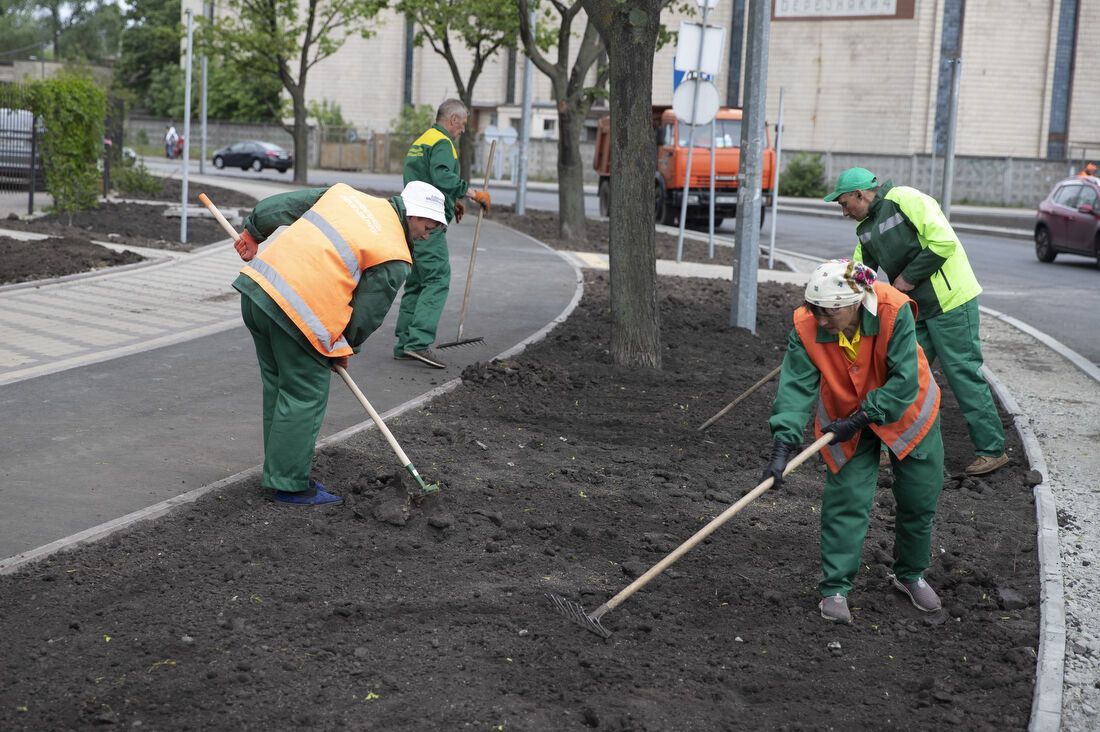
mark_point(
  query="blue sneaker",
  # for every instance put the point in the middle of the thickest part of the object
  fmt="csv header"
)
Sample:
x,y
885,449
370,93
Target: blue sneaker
x,y
315,496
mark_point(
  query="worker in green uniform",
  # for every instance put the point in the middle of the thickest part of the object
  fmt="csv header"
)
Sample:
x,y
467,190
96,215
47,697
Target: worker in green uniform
x,y
904,232
852,358
433,159
312,297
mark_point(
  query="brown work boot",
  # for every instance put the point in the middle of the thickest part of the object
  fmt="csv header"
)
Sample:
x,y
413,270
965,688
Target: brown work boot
x,y
986,464
835,609
920,593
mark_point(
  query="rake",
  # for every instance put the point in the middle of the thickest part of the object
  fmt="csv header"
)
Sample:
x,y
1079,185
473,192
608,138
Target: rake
x,y
591,621
459,340
771,375
425,487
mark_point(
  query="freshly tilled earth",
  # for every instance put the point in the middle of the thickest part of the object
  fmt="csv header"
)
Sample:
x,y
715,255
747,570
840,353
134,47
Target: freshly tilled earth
x,y
561,473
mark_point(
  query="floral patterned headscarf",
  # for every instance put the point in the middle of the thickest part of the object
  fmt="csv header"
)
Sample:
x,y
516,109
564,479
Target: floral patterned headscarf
x,y
839,283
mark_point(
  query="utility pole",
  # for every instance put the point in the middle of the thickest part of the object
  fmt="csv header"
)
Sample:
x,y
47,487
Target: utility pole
x,y
525,123
208,13
185,162
691,133
949,148
743,294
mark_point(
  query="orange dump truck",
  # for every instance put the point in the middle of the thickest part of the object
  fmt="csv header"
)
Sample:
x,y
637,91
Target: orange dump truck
x,y
672,155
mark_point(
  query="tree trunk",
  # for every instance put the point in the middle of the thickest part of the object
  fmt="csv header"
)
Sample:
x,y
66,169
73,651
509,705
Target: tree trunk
x,y
301,137
629,31
571,217
466,145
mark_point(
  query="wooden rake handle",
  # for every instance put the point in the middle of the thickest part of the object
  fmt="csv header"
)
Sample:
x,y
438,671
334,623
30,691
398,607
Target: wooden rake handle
x,y
710,528
373,415
771,375
473,251
205,201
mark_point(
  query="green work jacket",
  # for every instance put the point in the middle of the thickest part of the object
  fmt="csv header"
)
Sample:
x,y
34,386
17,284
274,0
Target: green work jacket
x,y
907,234
433,158
800,380
373,295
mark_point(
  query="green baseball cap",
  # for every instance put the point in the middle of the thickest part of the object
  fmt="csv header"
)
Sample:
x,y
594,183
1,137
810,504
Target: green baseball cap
x,y
853,179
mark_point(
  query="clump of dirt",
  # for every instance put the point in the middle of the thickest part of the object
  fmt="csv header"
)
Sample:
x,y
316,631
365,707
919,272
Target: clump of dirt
x,y
23,261
561,473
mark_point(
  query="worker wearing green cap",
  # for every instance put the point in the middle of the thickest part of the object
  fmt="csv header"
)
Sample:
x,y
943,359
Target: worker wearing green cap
x,y
904,232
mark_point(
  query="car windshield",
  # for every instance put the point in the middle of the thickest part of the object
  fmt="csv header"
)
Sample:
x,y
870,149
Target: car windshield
x,y
727,133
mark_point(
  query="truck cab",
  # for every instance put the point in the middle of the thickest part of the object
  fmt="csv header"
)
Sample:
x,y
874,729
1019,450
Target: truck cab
x,y
671,164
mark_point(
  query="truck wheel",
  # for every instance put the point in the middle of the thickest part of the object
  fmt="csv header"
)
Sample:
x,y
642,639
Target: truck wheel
x,y
664,211
604,194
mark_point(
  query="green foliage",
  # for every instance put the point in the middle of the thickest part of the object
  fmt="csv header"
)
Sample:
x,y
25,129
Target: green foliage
x,y
135,179
413,121
72,111
91,31
231,95
21,35
327,113
804,177
150,41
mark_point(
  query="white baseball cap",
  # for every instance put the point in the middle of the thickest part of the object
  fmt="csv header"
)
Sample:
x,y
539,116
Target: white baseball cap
x,y
424,200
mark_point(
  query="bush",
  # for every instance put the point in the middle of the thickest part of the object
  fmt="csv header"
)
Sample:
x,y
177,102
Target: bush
x,y
72,109
804,177
135,179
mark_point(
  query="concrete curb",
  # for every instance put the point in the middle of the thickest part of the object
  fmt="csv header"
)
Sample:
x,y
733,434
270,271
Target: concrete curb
x,y
14,563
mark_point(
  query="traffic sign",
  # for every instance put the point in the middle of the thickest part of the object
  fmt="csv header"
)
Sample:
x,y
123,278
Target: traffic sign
x,y
691,111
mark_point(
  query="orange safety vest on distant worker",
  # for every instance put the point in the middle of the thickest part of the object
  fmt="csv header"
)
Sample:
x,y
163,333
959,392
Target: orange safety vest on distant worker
x,y
844,384
312,269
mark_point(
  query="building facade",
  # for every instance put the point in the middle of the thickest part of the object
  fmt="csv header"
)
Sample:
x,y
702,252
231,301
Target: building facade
x,y
859,76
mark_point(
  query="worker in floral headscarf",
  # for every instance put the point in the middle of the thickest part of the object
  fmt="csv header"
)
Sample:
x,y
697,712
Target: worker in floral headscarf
x,y
853,351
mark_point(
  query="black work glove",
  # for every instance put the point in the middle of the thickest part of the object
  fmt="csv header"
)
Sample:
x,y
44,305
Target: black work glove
x,y
848,427
777,463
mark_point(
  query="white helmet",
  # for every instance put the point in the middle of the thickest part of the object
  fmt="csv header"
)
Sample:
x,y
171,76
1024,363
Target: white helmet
x,y
424,200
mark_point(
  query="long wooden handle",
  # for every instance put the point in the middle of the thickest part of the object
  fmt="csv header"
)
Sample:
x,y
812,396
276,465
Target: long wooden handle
x,y
707,530
373,415
473,252
205,201
771,375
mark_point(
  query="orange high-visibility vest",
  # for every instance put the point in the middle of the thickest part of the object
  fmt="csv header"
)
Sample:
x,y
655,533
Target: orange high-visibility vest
x,y
844,384
311,269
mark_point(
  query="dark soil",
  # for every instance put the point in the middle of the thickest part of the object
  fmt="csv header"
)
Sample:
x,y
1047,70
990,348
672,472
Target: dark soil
x,y
23,261
172,192
561,473
130,224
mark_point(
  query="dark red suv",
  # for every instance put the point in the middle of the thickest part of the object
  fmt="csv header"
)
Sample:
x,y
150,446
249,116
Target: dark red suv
x,y
1068,220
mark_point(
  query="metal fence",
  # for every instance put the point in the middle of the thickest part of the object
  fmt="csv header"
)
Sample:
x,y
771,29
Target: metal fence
x,y
19,138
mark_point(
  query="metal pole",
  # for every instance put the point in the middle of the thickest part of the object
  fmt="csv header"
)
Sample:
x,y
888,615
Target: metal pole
x,y
713,141
34,164
775,193
525,131
949,150
691,136
202,119
186,130
745,264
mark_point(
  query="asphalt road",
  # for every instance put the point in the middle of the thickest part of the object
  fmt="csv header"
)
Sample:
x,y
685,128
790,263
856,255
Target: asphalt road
x,y
1061,299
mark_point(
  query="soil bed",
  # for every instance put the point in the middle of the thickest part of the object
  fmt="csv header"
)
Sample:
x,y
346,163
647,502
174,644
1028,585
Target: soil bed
x,y
560,473
23,261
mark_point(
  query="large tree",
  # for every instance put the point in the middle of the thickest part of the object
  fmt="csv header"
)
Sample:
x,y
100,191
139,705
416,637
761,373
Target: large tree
x,y
630,31
82,29
150,41
482,27
571,93
21,35
287,38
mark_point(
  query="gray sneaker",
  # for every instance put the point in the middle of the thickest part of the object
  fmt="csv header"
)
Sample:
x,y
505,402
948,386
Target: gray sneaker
x,y
920,593
427,357
835,609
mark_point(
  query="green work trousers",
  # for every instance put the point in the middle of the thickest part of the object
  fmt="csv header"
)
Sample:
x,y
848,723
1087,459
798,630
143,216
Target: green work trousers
x,y
425,294
295,389
952,337
846,510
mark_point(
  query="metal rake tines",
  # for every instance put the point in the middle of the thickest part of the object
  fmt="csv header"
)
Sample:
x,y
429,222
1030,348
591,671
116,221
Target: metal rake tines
x,y
459,344
576,613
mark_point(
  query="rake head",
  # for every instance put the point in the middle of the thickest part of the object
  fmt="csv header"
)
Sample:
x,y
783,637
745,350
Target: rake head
x,y
462,343
576,613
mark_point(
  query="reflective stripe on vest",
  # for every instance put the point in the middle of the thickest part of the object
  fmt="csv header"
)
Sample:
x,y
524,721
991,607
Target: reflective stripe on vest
x,y
311,320
845,384
311,270
890,223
